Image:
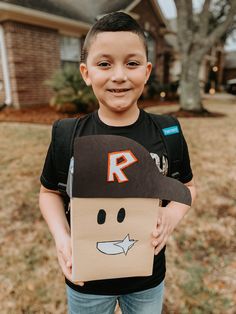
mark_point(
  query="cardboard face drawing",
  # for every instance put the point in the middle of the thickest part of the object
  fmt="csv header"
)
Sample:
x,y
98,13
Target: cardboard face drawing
x,y
115,195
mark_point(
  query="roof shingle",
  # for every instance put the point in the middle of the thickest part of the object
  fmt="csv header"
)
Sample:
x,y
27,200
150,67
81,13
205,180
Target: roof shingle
x,y
80,10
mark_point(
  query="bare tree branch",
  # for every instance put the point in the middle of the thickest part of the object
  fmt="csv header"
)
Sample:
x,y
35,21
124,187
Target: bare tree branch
x,y
222,11
189,7
181,13
220,29
184,22
204,18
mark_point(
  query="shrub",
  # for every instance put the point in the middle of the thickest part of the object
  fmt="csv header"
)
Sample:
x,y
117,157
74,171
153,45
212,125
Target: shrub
x,y
154,88
71,92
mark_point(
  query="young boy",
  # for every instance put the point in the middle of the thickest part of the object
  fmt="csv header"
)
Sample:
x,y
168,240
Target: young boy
x,y
114,62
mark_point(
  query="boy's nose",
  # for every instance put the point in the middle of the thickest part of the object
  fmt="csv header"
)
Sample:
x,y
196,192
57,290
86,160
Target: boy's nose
x,y
119,75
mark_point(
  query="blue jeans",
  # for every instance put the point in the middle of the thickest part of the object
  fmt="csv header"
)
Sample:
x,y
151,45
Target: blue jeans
x,y
143,302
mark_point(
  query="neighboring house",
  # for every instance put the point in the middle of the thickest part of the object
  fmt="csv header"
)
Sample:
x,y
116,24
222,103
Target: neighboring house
x,y
229,75
38,37
211,70
230,66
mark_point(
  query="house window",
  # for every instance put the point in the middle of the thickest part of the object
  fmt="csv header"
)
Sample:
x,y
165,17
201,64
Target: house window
x,y
70,48
151,48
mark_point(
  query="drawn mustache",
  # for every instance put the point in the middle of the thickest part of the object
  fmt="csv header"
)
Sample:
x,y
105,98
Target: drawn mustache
x,y
116,247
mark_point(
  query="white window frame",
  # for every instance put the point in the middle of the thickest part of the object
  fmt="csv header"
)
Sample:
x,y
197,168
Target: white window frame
x,y
70,49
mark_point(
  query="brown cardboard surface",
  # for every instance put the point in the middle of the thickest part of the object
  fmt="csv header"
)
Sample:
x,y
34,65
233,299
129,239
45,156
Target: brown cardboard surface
x,y
88,236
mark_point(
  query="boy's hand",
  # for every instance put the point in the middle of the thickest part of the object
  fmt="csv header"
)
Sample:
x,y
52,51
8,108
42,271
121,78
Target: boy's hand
x,y
168,219
64,255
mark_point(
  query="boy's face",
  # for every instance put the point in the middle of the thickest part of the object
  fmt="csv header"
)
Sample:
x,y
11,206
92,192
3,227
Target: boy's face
x,y
117,69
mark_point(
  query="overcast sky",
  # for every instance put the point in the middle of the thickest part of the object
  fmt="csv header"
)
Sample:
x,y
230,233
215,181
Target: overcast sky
x,y
169,10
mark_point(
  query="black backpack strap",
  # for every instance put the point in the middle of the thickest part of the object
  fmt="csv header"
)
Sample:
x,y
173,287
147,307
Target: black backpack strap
x,y
63,139
172,137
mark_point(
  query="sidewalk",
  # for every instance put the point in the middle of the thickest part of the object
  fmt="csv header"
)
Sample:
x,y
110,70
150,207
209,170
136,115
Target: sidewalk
x,y
220,97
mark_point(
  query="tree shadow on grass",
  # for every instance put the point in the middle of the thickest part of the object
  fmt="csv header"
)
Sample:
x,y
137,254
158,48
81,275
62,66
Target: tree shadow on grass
x,y
196,114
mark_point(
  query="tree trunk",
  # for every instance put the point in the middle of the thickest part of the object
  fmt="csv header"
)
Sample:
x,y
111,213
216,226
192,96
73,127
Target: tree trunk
x,y
190,93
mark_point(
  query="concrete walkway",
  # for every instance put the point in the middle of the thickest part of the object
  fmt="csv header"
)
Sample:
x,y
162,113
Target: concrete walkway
x,y
220,97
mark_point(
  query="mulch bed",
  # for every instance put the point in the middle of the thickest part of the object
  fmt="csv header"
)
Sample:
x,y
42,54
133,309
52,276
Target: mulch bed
x,y
44,114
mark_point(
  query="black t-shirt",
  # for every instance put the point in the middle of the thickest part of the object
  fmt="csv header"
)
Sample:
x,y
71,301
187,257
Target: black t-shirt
x,y
144,132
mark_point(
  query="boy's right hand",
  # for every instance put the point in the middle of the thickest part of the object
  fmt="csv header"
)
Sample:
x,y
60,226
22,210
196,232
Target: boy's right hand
x,y
64,255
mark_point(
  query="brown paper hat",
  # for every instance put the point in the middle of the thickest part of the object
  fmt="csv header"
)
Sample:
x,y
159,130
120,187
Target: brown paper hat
x,y
118,167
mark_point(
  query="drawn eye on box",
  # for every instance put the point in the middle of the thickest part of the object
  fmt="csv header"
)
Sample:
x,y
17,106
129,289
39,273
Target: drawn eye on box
x,y
121,246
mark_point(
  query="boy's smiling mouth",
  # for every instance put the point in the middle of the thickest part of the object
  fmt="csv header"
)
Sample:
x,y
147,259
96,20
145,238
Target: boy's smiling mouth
x,y
118,90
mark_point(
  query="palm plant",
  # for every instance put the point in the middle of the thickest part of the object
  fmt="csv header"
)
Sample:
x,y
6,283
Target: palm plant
x,y
71,91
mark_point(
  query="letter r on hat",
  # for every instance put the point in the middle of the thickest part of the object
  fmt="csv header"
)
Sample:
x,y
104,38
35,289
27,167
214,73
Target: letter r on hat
x,y
117,161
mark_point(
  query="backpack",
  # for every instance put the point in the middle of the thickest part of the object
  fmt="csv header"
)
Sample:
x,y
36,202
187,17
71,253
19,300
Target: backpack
x,y
63,134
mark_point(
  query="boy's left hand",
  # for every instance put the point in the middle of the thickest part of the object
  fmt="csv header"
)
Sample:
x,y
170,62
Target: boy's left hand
x,y
168,219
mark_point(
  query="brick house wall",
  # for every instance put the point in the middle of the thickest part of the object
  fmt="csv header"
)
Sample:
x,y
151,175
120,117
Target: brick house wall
x,y
33,55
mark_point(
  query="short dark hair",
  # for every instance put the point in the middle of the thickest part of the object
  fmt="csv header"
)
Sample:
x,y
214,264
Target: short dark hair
x,y
113,22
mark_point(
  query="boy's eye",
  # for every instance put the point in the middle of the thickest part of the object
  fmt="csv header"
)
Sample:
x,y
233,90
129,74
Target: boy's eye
x,y
104,64
133,64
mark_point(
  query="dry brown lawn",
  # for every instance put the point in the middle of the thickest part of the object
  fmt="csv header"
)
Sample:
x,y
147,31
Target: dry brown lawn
x,y
201,265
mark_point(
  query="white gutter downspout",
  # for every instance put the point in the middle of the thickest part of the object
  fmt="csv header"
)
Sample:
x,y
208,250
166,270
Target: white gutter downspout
x,y
5,69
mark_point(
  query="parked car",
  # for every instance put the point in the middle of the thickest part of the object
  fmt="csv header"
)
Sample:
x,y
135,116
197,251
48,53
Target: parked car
x,y
231,86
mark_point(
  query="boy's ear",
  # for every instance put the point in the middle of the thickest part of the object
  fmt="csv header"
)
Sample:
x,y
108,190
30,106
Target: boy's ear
x,y
148,71
84,72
